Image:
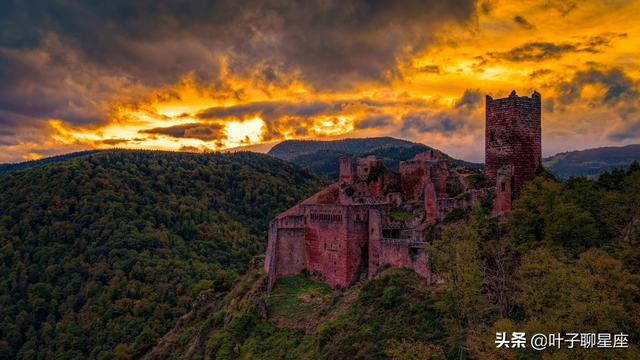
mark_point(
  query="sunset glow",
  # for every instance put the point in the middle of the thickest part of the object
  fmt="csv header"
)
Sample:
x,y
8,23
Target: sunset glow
x,y
424,80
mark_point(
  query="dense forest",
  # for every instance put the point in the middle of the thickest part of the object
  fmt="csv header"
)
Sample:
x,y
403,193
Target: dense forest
x,y
567,259
99,255
5,168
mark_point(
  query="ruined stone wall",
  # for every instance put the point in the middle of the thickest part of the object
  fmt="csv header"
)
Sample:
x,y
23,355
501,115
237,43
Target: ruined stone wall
x,y
357,247
431,155
513,136
375,235
464,201
504,191
439,174
335,242
270,258
326,242
346,169
403,253
365,164
430,203
413,174
285,249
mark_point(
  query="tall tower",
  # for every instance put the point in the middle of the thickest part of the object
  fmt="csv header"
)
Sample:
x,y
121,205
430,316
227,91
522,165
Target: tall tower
x,y
513,137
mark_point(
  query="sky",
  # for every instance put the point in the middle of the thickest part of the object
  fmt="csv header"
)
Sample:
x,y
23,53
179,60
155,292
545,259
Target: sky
x,y
213,75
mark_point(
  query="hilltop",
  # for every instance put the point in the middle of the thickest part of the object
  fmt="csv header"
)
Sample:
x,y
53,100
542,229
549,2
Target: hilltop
x,y
100,254
323,156
5,168
565,258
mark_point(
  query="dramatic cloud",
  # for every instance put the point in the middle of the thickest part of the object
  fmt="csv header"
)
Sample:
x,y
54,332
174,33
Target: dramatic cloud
x,y
536,51
521,21
470,99
374,121
205,132
617,85
205,75
630,131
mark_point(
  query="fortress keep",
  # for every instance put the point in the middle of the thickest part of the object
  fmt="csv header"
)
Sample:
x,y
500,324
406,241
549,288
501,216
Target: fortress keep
x,y
373,218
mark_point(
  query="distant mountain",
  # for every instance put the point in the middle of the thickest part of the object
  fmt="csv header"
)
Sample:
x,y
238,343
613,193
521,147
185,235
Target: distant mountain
x,y
592,162
290,149
322,156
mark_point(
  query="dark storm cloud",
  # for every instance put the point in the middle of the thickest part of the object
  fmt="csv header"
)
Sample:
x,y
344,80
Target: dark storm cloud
x,y
272,109
205,132
618,86
521,21
470,99
66,59
425,121
160,41
537,51
628,132
540,73
534,51
374,121
430,69
114,141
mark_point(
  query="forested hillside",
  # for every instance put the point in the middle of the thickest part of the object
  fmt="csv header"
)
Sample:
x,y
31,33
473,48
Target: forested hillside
x,y
99,255
566,260
5,168
290,149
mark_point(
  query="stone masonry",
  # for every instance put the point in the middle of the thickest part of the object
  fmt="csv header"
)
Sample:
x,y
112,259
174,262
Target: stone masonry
x,y
373,218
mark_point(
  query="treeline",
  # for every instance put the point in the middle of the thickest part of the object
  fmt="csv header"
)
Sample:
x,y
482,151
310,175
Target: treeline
x,y
99,255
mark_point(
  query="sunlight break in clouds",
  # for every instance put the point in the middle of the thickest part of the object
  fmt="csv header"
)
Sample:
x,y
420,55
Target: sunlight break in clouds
x,y
217,76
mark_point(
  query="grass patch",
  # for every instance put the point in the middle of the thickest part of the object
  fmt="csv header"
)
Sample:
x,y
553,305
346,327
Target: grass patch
x,y
400,215
298,295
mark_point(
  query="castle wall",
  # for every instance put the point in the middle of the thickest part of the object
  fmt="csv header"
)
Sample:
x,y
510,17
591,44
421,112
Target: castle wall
x,y
504,191
375,235
430,203
413,175
365,164
513,136
439,175
335,238
285,247
403,253
357,238
346,169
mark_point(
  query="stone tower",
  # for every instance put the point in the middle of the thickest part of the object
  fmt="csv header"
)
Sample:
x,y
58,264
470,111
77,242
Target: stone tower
x,y
513,137
346,169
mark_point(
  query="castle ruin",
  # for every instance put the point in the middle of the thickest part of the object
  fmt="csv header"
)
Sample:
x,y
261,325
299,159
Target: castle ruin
x,y
373,218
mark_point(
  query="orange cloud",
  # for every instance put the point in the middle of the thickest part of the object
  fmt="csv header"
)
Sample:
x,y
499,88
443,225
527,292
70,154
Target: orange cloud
x,y
424,81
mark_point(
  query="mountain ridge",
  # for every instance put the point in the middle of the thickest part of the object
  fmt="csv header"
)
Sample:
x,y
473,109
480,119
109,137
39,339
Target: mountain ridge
x,y
592,162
